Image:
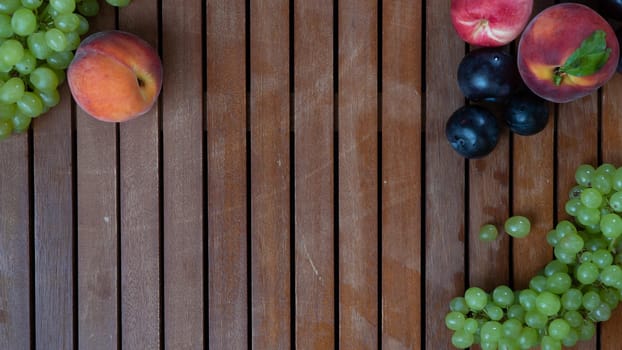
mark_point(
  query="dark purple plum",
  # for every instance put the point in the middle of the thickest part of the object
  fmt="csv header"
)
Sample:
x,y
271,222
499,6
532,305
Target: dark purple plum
x,y
472,131
526,114
619,37
488,74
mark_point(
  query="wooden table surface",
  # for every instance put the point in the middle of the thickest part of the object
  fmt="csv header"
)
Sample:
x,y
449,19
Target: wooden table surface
x,y
292,188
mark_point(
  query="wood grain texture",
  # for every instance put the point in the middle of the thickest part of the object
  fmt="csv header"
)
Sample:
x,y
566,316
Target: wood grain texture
x,y
182,180
97,219
270,168
226,175
314,174
444,176
401,174
54,227
358,173
15,244
533,191
611,126
139,179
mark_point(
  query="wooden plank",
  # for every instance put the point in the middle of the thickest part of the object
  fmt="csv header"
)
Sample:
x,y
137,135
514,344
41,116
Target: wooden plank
x,y
54,226
15,288
533,191
401,174
270,167
182,196
444,177
358,173
314,170
226,175
139,205
611,126
97,219
576,119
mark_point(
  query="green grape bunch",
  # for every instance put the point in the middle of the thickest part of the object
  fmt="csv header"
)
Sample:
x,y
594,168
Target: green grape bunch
x,y
38,39
579,288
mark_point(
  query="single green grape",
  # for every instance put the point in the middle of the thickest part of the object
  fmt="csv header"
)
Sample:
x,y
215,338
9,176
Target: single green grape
x,y
27,64
527,299
63,6
602,182
24,22
21,122
517,226
491,331
611,225
591,300
558,282
55,39
488,233
574,318
550,343
528,338
602,258
535,319
548,303
12,90
462,339
88,8
67,22
7,7
616,179
494,312
571,339
512,328
559,328
455,320
6,30
43,78
602,313
38,46
503,296
587,273
572,299
11,52
32,4
476,298
30,104
591,198
583,174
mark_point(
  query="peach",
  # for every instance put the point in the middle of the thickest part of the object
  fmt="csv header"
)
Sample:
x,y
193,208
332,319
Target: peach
x,y
566,52
115,76
490,22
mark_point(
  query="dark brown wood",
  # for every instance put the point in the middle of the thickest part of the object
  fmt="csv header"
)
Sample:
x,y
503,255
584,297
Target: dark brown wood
x,y
402,117
182,179
139,201
444,178
314,174
15,241
226,175
270,168
96,161
358,173
54,227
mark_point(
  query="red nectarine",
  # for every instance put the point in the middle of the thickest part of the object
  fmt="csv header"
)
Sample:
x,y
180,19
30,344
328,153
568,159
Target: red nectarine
x,y
115,76
566,52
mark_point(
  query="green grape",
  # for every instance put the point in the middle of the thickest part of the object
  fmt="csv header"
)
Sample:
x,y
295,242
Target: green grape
x,y
572,243
572,206
6,30
488,345
455,320
32,4
535,319
459,304
564,227
30,104
611,225
21,122
7,111
462,339
60,60
602,258
73,40
6,129
574,318
56,40
588,216
616,179
12,90
587,330
512,328
548,303
7,7
67,22
503,296
476,298
559,328
528,338
553,237
585,256
63,6
572,299
471,325
558,283
50,98
119,3
488,233
43,78
587,273
83,28
615,202
591,198
11,52
591,300
595,244
508,344
493,312
602,182
24,22
516,311
27,64
611,276
38,45
606,168
571,339
491,331
88,8
527,299
575,192
538,283
550,343
563,255
601,313
583,174
517,226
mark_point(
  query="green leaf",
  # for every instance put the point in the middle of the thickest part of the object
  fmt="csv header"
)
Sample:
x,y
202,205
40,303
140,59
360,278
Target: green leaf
x,y
587,59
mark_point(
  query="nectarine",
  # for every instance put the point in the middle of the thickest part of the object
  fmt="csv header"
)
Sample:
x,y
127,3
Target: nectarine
x,y
566,52
490,22
115,76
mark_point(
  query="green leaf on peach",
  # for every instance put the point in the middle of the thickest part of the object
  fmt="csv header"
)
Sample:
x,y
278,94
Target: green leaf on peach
x,y
591,55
